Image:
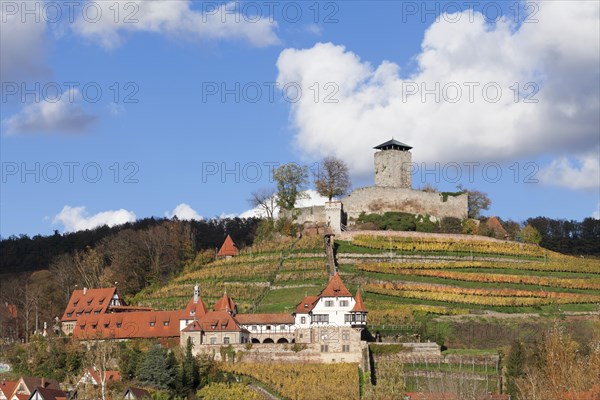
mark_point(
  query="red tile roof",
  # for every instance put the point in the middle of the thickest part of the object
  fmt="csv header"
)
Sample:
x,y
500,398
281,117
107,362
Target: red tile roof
x,y
250,319
592,394
214,321
225,304
93,301
228,248
306,305
430,396
335,288
195,309
359,306
129,325
7,387
33,382
111,376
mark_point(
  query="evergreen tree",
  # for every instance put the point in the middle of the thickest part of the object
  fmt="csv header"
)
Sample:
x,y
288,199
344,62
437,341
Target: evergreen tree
x,y
157,369
514,367
188,379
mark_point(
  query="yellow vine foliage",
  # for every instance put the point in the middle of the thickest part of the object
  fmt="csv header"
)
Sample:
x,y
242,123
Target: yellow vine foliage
x,y
304,381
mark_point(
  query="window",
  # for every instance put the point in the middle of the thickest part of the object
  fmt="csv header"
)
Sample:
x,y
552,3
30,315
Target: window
x,y
344,303
87,313
106,324
320,318
302,320
328,303
94,326
165,323
152,323
214,326
75,304
324,348
226,340
345,336
118,324
268,327
282,327
69,314
213,340
78,314
345,348
101,302
254,327
96,312
347,318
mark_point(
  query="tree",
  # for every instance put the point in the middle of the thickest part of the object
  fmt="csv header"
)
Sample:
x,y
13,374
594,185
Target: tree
x,y
333,179
265,200
514,367
291,180
530,235
157,369
102,357
188,378
476,201
89,265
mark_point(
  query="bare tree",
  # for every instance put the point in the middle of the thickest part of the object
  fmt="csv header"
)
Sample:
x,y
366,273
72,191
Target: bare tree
x,y
63,272
265,199
333,179
89,265
102,357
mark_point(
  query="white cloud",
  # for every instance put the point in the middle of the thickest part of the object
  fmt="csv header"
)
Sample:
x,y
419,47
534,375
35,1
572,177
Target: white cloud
x,y
596,214
22,44
77,218
63,116
312,199
176,18
184,212
581,173
374,104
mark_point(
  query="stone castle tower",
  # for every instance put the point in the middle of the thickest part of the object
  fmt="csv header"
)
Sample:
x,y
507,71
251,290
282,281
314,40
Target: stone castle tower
x,y
393,165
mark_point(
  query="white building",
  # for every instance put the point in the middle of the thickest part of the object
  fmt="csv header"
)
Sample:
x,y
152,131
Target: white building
x,y
334,306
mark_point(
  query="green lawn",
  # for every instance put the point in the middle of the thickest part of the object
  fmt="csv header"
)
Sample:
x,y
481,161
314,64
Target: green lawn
x,y
285,300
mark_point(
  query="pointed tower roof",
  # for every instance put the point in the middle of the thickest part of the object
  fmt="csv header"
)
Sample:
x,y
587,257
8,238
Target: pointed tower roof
x,y
359,306
335,288
228,248
393,145
225,304
196,309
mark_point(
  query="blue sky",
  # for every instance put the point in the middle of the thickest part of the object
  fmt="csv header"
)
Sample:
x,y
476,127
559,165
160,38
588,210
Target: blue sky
x,y
162,133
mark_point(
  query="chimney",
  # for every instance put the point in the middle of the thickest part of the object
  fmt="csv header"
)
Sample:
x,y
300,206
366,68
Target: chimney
x,y
196,292
43,382
84,291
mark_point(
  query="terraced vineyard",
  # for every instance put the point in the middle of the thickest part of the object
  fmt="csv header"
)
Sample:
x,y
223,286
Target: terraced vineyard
x,y
399,276
279,272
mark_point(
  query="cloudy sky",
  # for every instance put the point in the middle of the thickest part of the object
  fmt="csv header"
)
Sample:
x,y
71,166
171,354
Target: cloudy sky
x,y
113,111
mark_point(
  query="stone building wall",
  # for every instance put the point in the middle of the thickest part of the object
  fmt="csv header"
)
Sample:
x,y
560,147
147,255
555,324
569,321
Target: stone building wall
x,y
393,168
378,200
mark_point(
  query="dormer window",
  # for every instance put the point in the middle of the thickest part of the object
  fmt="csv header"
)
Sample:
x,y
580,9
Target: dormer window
x,y
78,314
101,302
69,314
75,303
118,324
214,326
166,323
106,325
223,326
152,323
305,305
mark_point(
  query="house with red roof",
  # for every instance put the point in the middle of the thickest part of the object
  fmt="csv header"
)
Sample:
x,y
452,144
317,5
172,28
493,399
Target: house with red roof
x,y
6,389
335,305
88,303
93,377
228,249
25,387
134,393
41,393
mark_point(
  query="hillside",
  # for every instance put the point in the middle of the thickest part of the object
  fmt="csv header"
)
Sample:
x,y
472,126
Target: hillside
x,y
401,275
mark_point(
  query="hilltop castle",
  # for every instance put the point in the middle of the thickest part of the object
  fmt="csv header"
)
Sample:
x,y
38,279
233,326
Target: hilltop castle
x,y
392,192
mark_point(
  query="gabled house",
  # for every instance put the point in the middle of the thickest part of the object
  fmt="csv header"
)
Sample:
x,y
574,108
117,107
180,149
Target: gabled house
x,y
48,394
93,377
88,303
134,393
27,385
6,389
335,305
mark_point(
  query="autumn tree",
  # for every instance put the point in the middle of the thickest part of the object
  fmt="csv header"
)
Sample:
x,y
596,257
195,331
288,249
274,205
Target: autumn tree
x,y
265,200
333,179
291,180
476,202
530,235
89,265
